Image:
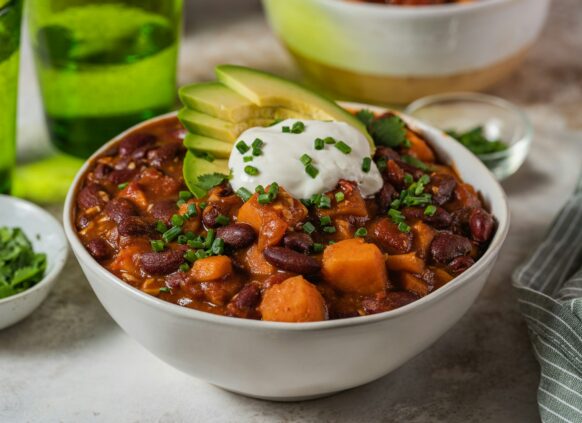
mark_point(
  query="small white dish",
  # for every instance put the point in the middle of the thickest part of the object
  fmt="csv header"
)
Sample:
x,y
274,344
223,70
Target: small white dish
x,y
47,236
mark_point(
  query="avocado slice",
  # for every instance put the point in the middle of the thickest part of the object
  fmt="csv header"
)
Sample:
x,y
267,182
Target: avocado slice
x,y
219,101
215,147
222,130
267,90
194,167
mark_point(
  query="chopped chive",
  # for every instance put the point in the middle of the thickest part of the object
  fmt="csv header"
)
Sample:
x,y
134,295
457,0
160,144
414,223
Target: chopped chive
x,y
317,247
329,140
123,185
165,289
430,210
312,171
259,189
298,127
330,242
419,189
190,256
286,129
202,205
339,196
185,195
177,220
191,211
274,190
210,235
251,170
308,228
182,239
257,152
361,232
366,164
222,220
324,202
408,179
403,227
244,194
381,164
161,227
329,229
247,159
195,244
318,144
184,267
424,179
180,203
396,215
325,220
395,204
200,254
217,246
171,234
257,143
264,198
305,159
343,147
157,245
190,235
242,147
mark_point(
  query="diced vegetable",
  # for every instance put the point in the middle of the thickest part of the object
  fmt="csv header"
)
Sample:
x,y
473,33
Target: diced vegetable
x,y
256,264
405,262
413,284
419,148
423,235
293,300
354,266
211,268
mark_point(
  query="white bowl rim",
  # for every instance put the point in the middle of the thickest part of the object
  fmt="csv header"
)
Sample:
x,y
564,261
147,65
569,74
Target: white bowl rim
x,y
184,312
61,258
425,11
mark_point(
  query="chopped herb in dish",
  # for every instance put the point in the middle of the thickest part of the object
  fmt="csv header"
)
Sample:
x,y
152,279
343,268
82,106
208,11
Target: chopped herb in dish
x,y
476,141
20,267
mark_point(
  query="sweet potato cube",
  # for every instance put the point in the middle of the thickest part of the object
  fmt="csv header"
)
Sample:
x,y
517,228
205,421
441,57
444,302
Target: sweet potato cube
x,y
256,263
211,268
354,266
293,300
405,262
413,284
423,235
442,277
419,148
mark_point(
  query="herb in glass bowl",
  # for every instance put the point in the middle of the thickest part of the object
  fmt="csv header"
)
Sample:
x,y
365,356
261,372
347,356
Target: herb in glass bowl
x,y
20,267
476,141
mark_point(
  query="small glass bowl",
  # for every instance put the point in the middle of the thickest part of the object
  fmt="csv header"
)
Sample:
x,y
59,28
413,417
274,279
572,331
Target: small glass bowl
x,y
499,118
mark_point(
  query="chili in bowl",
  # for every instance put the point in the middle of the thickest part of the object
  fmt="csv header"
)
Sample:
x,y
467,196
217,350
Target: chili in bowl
x,y
188,277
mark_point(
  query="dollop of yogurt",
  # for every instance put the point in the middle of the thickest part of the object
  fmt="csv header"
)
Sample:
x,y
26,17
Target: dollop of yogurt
x,y
281,152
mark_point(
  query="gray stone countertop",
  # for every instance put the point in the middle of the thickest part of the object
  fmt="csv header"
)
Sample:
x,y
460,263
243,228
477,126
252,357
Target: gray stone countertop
x,y
70,362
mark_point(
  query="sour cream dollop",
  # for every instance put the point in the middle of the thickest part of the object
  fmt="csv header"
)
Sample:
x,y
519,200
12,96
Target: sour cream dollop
x,y
280,159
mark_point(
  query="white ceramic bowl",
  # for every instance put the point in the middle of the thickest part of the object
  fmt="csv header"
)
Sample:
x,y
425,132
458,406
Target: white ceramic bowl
x,y
292,361
395,54
51,240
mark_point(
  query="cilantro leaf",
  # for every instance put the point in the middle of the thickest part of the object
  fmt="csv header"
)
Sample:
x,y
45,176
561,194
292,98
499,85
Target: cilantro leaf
x,y
211,180
365,116
388,131
413,161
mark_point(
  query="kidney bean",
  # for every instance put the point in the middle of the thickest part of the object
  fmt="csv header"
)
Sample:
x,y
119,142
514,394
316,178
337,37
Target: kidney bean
x,y
132,225
291,261
459,264
120,176
119,209
386,153
390,238
440,220
408,168
385,196
99,249
441,187
237,235
102,170
276,279
394,174
446,246
481,224
92,195
157,157
209,215
164,210
134,141
298,241
460,221
161,263
248,297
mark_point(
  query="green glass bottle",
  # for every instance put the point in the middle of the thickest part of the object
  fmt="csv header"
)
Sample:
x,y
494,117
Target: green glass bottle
x,y
103,65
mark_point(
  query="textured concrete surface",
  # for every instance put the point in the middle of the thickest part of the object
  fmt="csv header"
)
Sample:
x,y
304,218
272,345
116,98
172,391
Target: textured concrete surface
x,y
70,362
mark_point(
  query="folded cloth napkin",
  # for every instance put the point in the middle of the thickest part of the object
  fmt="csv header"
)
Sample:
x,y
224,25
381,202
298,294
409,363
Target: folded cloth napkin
x,y
549,288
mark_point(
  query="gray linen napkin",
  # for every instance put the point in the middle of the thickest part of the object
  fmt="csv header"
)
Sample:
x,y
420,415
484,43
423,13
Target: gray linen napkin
x,y
549,288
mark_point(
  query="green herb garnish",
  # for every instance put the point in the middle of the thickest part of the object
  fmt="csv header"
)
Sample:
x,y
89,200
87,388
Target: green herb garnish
x,y
305,159
343,147
298,127
123,185
413,161
242,147
389,131
251,170
319,144
158,245
365,116
244,194
476,141
210,180
361,232
317,247
339,196
20,267
311,170
366,164
308,228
